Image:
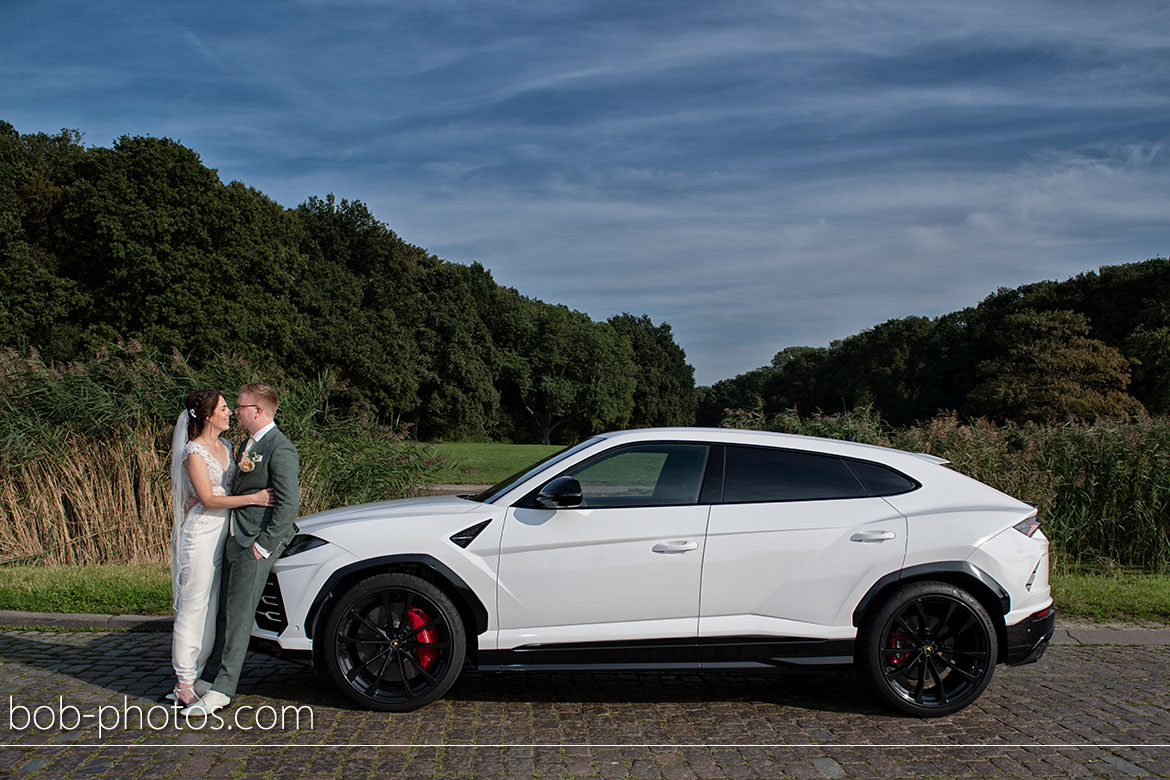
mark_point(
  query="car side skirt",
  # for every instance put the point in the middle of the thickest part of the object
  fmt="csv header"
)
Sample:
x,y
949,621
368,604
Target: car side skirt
x,y
742,653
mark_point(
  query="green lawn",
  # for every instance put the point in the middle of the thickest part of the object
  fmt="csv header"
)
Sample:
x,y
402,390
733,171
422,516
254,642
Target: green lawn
x,y
486,463
1119,595
143,589
146,590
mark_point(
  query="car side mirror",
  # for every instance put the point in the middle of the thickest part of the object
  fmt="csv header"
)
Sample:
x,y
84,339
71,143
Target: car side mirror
x,y
561,493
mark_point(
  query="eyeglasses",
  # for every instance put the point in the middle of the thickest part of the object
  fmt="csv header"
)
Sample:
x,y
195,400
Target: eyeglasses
x,y
245,406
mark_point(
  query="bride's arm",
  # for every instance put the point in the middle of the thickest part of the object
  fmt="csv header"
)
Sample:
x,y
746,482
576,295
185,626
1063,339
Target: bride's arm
x,y
201,481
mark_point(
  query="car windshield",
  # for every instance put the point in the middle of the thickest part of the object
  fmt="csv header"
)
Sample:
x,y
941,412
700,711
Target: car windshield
x,y
500,488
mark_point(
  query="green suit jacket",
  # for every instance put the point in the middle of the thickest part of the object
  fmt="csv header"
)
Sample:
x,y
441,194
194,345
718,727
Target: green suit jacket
x,y
277,468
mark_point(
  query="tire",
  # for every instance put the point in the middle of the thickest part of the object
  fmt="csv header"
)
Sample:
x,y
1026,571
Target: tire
x,y
394,642
928,649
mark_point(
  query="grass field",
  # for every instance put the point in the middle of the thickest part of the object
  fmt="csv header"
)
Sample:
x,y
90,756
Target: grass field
x,y
146,590
486,463
1112,595
143,589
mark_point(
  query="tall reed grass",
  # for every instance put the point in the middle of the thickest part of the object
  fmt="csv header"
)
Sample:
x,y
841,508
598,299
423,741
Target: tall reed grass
x,y
1102,488
85,452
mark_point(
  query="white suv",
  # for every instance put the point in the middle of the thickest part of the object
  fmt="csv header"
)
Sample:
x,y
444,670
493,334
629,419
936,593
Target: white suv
x,y
673,549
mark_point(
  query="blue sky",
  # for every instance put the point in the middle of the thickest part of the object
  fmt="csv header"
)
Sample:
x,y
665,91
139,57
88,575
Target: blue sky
x,y
757,174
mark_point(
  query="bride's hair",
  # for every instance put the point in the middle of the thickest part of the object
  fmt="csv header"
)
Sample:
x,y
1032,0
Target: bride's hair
x,y
200,405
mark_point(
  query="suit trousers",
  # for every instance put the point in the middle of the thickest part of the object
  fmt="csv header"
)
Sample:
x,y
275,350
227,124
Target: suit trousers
x,y
244,576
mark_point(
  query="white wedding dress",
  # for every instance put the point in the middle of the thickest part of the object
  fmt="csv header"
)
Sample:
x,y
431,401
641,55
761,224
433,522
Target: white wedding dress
x,y
196,565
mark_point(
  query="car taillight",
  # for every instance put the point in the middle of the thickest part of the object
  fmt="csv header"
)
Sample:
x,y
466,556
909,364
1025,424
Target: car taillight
x,y
1028,526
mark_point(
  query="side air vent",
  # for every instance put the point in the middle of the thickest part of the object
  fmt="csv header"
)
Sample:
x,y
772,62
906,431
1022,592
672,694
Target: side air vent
x,y
270,611
467,535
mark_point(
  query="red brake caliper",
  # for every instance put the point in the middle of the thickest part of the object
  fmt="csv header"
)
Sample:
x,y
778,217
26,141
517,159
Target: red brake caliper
x,y
897,641
417,619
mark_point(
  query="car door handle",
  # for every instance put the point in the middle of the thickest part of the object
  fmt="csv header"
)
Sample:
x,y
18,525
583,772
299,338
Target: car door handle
x,y
872,536
674,547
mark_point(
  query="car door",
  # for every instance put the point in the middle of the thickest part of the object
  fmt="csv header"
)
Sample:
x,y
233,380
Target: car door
x,y
615,580
794,543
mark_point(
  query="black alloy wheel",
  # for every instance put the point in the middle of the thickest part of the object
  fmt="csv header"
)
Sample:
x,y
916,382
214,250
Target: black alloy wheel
x,y
929,649
396,642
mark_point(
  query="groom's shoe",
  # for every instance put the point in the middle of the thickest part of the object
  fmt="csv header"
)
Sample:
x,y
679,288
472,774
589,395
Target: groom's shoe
x,y
212,701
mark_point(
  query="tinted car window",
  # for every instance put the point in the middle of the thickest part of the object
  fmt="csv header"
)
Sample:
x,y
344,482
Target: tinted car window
x,y
645,475
755,474
879,480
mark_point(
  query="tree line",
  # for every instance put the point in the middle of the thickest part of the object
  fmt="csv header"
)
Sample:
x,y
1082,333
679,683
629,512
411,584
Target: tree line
x,y
1096,345
142,242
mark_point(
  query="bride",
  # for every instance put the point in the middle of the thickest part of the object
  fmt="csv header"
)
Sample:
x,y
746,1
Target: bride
x,y
202,473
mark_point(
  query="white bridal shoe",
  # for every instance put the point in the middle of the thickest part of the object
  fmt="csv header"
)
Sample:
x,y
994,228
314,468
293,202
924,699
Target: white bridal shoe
x,y
201,687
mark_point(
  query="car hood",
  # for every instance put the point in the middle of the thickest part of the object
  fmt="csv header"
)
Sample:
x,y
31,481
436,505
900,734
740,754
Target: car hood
x,y
383,511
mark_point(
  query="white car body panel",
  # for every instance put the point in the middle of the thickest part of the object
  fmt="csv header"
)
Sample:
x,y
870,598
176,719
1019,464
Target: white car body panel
x,y
421,526
598,567
1011,558
794,561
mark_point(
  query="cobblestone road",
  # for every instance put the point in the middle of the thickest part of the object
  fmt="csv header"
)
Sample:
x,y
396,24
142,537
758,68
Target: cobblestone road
x,y
1115,700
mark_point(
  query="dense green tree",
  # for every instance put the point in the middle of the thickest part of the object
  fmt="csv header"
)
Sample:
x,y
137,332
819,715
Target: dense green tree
x,y
568,375
912,368
38,305
360,296
745,391
664,384
1052,370
888,367
1113,298
142,243
459,396
794,380
137,238
1150,348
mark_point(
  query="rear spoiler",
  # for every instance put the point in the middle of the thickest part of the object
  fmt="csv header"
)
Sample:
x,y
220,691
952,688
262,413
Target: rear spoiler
x,y
926,456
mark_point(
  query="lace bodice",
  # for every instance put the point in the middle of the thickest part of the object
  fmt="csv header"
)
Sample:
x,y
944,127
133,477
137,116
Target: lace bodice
x,y
221,478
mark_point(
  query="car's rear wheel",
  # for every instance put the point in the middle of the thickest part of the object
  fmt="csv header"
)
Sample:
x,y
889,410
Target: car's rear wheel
x,y
929,649
396,642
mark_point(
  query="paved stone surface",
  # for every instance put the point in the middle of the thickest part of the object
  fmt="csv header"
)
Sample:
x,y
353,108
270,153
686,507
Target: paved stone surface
x,y
1084,633
1083,711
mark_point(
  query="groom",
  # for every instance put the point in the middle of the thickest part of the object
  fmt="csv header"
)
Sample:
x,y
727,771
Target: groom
x,y
257,536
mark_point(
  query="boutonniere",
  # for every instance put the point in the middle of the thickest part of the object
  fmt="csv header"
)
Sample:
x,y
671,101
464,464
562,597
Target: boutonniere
x,y
250,461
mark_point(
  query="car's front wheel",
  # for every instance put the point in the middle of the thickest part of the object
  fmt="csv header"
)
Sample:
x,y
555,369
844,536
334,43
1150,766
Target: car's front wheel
x,y
395,642
929,649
